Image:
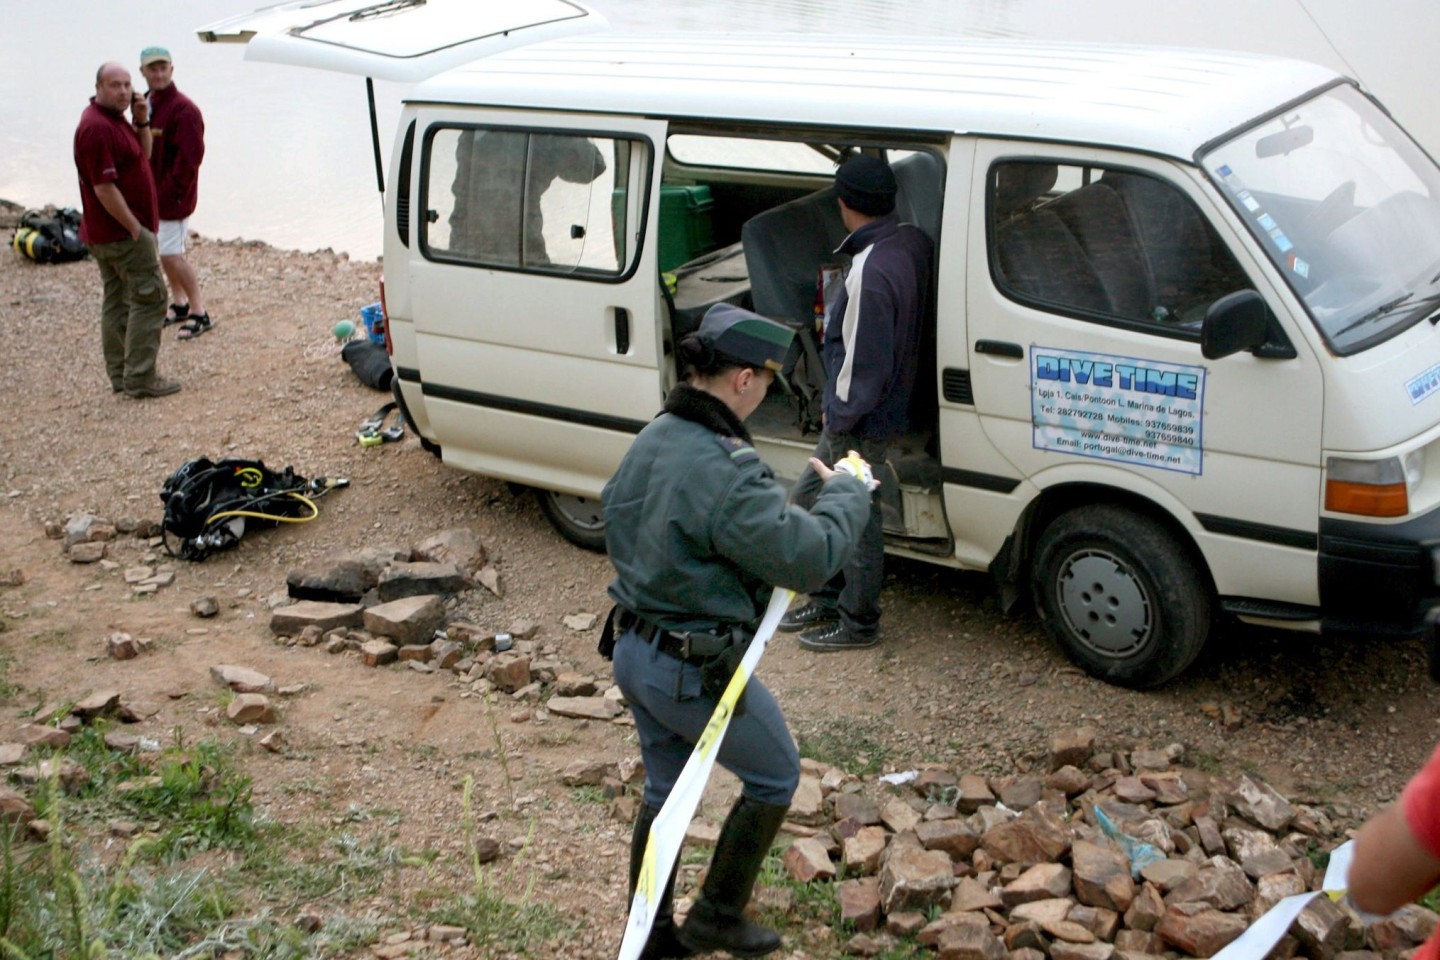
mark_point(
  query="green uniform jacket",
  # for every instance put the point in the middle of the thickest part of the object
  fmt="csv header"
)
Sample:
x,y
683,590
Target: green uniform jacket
x,y
700,531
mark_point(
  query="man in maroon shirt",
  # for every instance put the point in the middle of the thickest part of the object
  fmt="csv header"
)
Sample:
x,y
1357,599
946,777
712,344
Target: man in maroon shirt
x,y
178,132
118,224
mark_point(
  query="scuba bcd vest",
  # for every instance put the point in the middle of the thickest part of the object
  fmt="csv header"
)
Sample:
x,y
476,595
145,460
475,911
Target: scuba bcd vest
x,y
47,238
208,505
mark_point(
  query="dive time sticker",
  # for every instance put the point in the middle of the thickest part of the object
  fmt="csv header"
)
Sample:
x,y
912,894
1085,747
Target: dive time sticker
x,y
1145,412
1421,387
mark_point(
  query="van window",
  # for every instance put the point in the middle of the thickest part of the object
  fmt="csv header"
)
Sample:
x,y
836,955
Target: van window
x,y
1109,245
1346,206
745,153
527,200
402,186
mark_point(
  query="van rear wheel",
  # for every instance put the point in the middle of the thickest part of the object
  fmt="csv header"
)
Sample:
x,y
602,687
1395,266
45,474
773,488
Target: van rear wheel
x,y
1121,595
581,520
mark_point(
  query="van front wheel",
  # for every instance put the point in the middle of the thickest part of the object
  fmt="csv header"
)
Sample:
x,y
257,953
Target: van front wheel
x,y
1120,595
581,520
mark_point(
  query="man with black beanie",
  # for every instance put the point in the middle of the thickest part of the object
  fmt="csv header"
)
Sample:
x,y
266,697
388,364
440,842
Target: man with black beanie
x,y
871,350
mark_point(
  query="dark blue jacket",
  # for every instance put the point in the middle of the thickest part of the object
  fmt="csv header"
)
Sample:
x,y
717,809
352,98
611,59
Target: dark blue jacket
x,y
873,334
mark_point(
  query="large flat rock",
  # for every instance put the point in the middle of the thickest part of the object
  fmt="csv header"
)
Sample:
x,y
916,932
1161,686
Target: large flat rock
x,y
288,621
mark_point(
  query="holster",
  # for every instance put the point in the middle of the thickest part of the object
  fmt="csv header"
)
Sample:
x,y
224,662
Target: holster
x,y
716,671
606,646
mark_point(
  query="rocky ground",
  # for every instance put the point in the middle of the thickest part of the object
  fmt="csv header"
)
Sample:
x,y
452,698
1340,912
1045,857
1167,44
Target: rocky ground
x,y
383,754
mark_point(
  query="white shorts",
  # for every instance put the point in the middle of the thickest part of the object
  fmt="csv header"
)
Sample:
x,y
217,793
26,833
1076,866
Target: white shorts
x,y
172,235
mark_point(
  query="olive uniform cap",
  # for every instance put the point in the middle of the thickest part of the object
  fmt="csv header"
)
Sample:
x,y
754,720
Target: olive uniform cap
x,y
748,337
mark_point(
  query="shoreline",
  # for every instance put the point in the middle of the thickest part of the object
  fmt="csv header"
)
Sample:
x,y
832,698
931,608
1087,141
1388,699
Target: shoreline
x,y
11,212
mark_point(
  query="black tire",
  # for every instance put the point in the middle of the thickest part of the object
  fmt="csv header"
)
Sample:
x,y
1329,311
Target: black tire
x,y
1121,595
578,519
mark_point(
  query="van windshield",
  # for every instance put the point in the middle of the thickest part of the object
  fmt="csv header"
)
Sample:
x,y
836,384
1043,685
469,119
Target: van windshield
x,y
1347,207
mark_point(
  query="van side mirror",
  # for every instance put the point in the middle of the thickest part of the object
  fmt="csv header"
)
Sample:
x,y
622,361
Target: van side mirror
x,y
1235,322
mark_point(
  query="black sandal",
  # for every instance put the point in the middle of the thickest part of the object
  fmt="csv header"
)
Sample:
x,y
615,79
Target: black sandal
x,y
197,324
177,313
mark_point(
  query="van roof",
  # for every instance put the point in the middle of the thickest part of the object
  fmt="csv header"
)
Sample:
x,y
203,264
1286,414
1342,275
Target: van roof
x,y
1164,100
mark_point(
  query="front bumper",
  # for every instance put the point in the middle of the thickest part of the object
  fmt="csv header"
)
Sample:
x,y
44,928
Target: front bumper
x,y
1379,578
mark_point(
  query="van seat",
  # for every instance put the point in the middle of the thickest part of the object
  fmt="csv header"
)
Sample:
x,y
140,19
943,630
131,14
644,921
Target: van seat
x,y
1019,185
917,200
1039,257
1098,219
784,248
1187,263
716,277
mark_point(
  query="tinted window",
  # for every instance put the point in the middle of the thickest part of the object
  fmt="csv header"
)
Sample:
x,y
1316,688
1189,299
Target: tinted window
x,y
1106,244
527,200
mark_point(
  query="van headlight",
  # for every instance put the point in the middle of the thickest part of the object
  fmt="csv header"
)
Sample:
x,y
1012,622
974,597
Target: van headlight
x,y
1414,469
1373,488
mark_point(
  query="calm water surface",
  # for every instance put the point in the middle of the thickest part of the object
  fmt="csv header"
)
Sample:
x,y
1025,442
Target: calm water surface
x,y
288,150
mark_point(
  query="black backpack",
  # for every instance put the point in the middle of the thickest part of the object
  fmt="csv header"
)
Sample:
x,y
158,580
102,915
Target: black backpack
x,y
49,236
208,505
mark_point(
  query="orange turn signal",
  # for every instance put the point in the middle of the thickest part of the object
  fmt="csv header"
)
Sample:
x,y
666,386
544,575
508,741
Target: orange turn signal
x,y
1366,499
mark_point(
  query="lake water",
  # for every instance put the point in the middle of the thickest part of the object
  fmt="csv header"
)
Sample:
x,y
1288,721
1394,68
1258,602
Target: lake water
x,y
288,149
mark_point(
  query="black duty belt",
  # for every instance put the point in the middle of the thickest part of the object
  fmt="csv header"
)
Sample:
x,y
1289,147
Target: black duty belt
x,y
689,645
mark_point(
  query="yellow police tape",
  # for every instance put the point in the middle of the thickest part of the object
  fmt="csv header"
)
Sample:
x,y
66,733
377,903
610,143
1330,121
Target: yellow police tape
x,y
667,832
1262,935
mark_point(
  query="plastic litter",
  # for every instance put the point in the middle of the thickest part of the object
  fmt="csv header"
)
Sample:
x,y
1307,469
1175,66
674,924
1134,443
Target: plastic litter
x,y
1141,854
897,779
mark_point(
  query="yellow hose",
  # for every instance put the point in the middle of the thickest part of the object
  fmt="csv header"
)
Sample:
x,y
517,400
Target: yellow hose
x,y
314,512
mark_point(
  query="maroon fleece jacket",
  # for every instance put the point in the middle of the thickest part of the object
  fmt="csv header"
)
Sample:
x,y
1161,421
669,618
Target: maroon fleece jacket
x,y
177,133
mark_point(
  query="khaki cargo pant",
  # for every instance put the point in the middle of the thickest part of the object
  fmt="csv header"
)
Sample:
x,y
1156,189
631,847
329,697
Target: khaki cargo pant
x,y
134,310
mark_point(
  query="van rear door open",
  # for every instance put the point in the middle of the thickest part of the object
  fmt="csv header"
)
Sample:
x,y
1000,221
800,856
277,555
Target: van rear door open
x,y
396,39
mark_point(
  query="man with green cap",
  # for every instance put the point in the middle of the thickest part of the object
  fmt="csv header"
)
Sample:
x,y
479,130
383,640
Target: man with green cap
x,y
177,132
699,532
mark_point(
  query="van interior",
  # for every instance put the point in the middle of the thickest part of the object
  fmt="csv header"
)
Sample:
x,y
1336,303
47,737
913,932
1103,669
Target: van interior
x,y
755,222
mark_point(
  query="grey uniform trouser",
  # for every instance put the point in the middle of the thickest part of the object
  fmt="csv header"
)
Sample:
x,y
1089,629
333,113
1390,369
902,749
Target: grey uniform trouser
x,y
854,592
134,310
671,712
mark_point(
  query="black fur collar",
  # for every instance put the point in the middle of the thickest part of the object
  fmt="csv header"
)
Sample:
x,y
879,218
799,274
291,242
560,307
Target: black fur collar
x,y
697,406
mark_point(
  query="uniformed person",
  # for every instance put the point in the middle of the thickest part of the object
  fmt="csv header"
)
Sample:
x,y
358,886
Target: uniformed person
x,y
699,532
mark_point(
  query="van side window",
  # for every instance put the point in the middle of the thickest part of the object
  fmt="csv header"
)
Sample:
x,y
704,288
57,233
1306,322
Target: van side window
x,y
402,186
1111,245
527,200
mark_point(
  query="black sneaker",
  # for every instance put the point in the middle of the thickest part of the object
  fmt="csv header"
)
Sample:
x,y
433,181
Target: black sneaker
x,y
834,636
813,614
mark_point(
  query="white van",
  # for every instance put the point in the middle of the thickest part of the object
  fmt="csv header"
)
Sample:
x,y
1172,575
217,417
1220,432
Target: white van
x,y
1185,356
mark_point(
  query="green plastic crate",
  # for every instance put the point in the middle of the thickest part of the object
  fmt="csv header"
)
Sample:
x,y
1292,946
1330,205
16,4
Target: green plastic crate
x,y
685,228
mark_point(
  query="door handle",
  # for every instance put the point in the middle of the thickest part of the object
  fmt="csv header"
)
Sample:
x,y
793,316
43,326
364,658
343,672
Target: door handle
x,y
1000,348
622,331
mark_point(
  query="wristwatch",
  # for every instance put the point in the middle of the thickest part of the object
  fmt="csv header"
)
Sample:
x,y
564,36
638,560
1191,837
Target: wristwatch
x,y
144,123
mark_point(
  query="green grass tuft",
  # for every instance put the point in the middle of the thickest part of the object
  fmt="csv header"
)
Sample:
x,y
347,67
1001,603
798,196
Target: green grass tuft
x,y
860,745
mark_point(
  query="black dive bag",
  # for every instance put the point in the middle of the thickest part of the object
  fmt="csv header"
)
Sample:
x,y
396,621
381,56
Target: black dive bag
x,y
48,238
209,505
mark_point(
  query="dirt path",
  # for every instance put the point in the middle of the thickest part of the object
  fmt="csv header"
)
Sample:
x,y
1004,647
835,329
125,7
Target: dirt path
x,y
384,752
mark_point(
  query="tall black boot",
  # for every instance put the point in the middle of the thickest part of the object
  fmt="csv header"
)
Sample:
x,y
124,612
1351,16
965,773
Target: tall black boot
x,y
663,942
717,920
